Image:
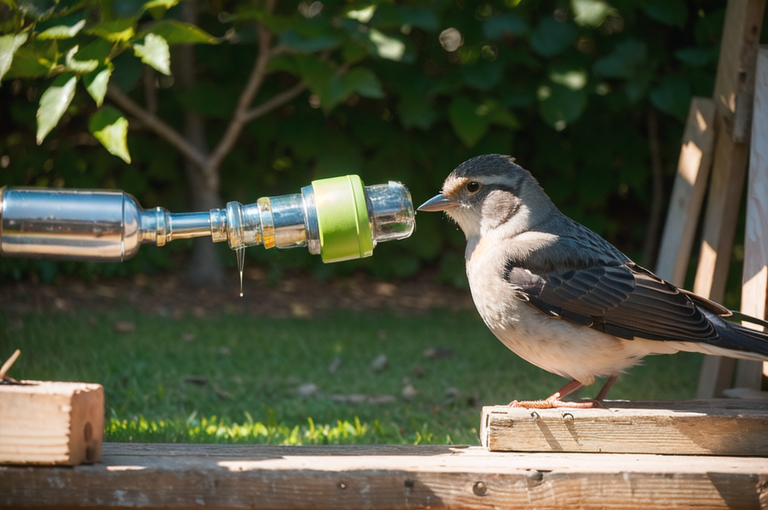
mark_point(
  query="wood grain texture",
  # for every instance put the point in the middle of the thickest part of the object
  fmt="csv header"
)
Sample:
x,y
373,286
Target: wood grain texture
x,y
386,476
688,191
734,86
60,423
754,290
721,427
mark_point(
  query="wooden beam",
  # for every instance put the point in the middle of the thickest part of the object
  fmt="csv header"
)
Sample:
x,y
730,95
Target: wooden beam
x,y
42,422
734,87
688,191
713,427
754,290
385,477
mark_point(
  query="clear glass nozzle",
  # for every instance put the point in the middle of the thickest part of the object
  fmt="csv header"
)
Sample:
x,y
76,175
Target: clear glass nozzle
x,y
337,218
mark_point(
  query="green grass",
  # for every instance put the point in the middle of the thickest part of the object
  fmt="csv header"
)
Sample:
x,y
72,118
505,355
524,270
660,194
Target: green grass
x,y
232,378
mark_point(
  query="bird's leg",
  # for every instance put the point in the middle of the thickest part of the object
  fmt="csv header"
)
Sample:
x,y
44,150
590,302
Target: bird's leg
x,y
604,390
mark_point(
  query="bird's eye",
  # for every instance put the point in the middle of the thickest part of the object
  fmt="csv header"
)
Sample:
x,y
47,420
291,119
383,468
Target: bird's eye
x,y
473,186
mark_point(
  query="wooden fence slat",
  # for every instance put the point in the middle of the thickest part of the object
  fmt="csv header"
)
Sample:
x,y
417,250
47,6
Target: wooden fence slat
x,y
688,191
749,374
734,90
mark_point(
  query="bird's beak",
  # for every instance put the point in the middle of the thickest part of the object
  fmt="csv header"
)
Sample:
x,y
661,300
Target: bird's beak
x,y
437,203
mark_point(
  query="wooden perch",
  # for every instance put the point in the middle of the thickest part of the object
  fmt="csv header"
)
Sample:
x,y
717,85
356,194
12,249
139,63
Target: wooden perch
x,y
704,427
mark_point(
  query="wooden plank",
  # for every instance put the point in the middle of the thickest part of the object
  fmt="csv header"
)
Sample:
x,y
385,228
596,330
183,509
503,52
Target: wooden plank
x,y
719,427
688,191
733,94
385,476
754,290
60,423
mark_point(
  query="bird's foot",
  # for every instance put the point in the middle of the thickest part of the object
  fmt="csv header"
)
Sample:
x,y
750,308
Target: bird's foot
x,y
555,402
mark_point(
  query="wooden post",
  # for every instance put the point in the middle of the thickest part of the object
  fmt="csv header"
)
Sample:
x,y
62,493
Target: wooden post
x,y
755,277
688,191
734,88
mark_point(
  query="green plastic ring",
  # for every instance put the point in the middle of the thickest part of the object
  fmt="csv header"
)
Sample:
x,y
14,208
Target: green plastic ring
x,y
342,219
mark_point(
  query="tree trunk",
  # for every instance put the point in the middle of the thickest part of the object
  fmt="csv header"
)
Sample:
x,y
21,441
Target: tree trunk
x,y
204,267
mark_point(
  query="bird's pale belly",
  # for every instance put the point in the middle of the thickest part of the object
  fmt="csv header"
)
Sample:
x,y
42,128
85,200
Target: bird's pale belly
x,y
571,351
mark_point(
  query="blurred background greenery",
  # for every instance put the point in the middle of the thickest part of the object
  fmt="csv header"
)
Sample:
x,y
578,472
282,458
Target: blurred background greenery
x,y
590,95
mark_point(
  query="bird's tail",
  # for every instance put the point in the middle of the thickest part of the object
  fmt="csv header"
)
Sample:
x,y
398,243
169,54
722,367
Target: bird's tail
x,y
750,343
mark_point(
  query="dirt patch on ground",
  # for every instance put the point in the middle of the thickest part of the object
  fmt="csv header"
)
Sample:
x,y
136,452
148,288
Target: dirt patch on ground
x,y
293,296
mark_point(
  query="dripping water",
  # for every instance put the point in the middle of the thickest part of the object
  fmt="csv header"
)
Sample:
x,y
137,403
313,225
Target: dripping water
x,y
240,261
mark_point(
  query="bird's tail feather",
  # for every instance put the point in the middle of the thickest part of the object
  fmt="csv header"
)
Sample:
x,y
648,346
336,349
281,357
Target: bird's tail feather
x,y
736,337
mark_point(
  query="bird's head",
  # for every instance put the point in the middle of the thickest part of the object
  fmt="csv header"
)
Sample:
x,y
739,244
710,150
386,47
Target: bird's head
x,y
491,193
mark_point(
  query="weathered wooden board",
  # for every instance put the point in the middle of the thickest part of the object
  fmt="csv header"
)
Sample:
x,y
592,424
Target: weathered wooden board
x,y
688,191
711,427
386,476
734,90
754,290
45,422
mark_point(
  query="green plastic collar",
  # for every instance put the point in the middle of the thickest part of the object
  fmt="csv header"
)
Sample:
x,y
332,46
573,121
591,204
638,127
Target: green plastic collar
x,y
342,219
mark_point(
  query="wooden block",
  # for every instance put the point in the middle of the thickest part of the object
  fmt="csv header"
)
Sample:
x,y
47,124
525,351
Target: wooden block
x,y
45,422
688,191
705,427
385,477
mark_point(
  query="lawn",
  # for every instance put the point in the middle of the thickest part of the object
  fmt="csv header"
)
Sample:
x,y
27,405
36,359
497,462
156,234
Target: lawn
x,y
342,378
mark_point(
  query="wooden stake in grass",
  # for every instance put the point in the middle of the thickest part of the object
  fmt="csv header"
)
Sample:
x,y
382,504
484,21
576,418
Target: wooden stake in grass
x,y
9,363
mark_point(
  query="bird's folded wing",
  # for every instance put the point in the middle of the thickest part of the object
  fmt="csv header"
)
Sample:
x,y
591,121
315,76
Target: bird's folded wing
x,y
623,300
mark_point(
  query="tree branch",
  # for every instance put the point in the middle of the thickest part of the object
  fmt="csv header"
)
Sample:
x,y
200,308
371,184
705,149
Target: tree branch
x,y
274,102
154,123
255,81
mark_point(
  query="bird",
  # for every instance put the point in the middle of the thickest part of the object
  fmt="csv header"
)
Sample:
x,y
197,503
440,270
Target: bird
x,y
563,298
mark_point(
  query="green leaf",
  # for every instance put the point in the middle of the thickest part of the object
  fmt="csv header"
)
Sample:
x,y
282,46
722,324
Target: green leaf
x,y
483,75
53,103
560,105
552,37
362,81
629,56
62,31
590,13
159,7
322,80
315,43
415,110
111,129
155,53
96,83
389,48
79,66
8,46
572,78
509,23
177,32
118,30
669,12
696,56
468,123
673,96
389,16
499,115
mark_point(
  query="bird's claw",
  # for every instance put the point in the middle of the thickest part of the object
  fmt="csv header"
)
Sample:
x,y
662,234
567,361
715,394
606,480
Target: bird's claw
x,y
553,402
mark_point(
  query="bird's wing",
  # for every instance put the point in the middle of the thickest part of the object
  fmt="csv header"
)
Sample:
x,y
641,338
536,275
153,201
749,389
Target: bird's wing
x,y
624,300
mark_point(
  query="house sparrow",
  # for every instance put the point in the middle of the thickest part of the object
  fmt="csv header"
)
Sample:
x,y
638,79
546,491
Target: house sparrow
x,y
562,297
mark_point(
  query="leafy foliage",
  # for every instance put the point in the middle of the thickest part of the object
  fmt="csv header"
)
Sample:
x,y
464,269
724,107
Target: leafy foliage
x,y
401,91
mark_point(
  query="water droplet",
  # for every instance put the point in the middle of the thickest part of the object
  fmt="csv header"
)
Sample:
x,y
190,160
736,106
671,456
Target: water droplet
x,y
240,262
